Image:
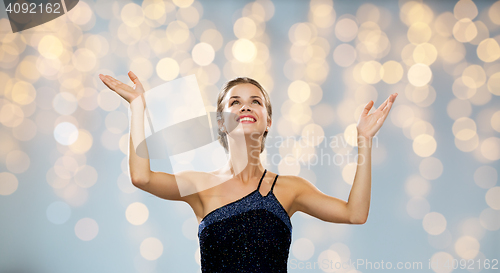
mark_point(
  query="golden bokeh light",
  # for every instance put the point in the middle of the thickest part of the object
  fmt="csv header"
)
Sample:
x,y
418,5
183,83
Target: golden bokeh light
x,y
494,84
245,28
167,69
346,29
490,148
431,168
465,9
392,72
50,47
419,32
413,11
244,50
344,55
425,53
419,74
424,145
203,54
464,128
464,30
299,91
488,50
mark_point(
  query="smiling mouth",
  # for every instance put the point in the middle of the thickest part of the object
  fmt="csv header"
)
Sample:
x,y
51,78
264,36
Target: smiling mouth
x,y
247,120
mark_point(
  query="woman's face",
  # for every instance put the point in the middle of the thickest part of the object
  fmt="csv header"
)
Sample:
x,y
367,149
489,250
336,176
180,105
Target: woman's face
x,y
246,107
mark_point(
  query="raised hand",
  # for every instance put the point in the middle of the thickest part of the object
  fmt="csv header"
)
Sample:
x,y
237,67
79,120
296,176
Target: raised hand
x,y
368,125
125,91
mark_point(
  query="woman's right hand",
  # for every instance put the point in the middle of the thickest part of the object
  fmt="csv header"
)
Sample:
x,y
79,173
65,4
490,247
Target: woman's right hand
x,y
124,90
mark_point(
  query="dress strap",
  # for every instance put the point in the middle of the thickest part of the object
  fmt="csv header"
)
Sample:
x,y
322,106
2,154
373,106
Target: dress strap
x,y
276,178
265,170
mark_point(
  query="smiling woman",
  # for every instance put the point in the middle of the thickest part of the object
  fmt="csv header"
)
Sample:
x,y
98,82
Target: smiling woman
x,y
244,221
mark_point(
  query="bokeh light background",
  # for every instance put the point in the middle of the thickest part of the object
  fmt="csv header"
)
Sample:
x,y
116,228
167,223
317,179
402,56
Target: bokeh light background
x,y
66,200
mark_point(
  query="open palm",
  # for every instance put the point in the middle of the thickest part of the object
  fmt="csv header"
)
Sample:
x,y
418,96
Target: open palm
x,y
368,125
124,90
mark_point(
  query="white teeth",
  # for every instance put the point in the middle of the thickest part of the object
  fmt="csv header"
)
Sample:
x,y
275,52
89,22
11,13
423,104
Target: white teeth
x,y
247,119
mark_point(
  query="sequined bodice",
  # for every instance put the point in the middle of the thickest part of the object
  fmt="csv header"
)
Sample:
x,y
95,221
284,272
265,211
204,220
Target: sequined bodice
x,y
251,234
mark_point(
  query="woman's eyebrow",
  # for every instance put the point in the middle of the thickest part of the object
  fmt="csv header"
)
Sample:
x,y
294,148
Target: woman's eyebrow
x,y
250,97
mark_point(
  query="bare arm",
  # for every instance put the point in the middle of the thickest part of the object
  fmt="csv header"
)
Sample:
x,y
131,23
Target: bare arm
x,y
161,184
312,201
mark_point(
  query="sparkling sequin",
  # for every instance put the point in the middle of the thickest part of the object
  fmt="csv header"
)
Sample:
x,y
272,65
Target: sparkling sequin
x,y
251,234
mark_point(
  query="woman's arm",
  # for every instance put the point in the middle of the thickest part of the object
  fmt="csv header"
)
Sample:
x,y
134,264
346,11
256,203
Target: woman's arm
x,y
161,184
312,201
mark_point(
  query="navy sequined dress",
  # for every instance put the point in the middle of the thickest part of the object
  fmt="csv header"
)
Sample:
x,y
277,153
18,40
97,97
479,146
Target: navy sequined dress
x,y
251,234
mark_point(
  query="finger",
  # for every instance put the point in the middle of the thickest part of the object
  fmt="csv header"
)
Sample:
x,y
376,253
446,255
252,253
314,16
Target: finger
x,y
367,108
134,77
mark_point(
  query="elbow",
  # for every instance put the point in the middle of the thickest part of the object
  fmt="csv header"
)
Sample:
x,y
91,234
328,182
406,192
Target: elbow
x,y
358,220
139,182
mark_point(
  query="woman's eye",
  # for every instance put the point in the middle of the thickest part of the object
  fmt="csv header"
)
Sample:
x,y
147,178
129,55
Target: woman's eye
x,y
233,102
257,101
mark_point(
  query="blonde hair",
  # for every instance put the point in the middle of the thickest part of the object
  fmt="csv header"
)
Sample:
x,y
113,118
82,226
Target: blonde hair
x,y
220,107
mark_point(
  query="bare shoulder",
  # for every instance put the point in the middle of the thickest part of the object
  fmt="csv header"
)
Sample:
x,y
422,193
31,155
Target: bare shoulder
x,y
288,188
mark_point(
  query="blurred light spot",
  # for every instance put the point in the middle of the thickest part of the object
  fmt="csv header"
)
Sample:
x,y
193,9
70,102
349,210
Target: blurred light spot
x,y
332,257
203,54
344,55
419,33
444,24
86,176
431,168
461,91
167,69
132,15
493,198
65,103
424,145
83,143
80,14
313,134
245,28
434,223
183,3
84,60
8,183
23,92
392,72
490,148
467,247
302,33
402,114
465,9
452,51
486,177
349,172
371,72
440,258
58,212
303,249
109,100
244,50
137,213
65,133
464,128
418,207
151,248
50,47
472,227
17,161
116,122
413,11
464,30
493,13
299,91
143,68
419,74
417,186
494,84
177,32
86,229
212,37
346,29
495,121
490,219
425,53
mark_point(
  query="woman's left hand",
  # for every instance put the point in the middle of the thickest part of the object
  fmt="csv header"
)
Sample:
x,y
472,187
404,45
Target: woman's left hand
x,y
368,125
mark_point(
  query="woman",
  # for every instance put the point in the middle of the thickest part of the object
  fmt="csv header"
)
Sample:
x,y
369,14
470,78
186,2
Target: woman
x,y
244,220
